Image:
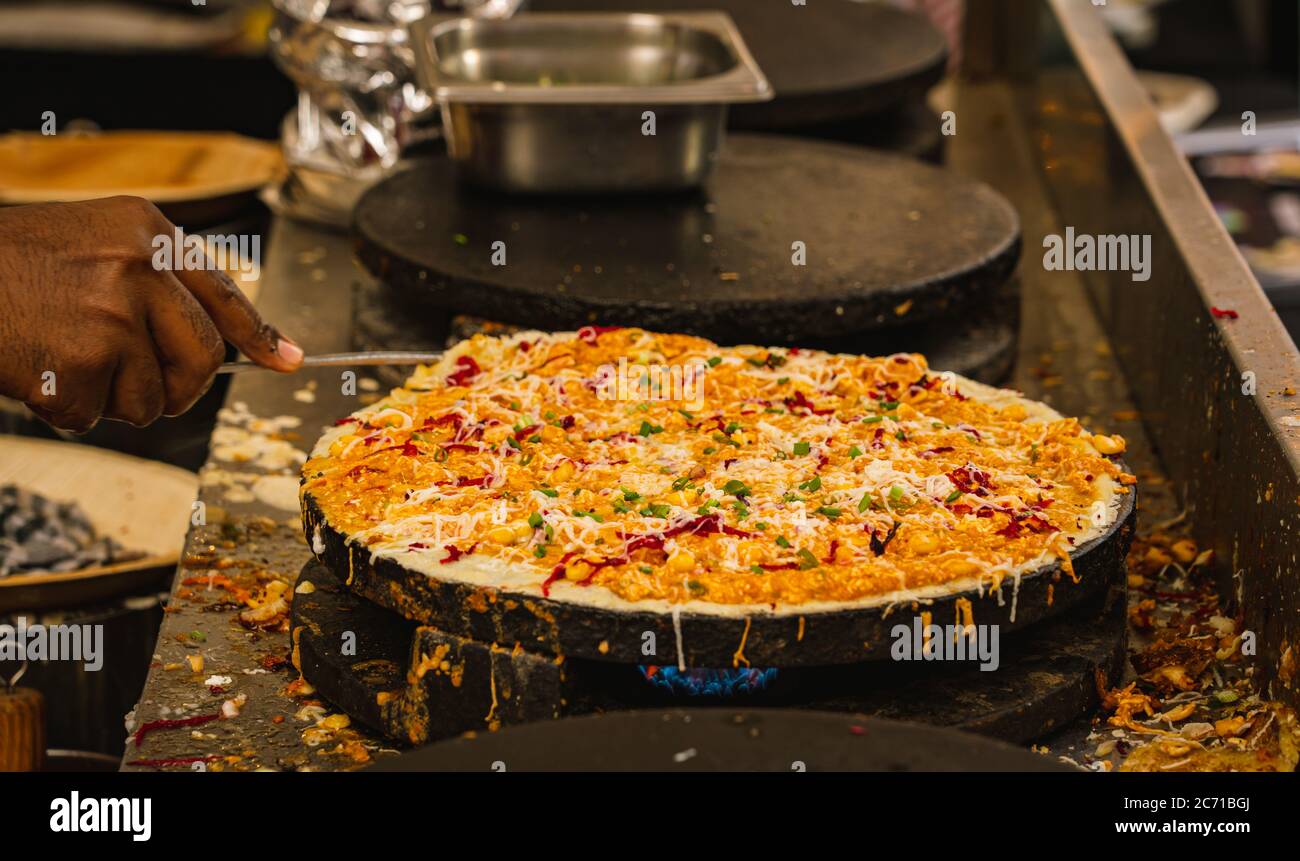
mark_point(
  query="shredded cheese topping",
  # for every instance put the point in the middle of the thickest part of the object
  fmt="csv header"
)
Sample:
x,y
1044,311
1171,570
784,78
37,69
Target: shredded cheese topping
x,y
785,477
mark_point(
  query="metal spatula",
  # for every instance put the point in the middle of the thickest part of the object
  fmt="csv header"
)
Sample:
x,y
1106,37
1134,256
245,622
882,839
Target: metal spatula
x,y
325,360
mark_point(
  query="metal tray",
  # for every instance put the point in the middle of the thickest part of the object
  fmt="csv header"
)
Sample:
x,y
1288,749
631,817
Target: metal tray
x,y
566,102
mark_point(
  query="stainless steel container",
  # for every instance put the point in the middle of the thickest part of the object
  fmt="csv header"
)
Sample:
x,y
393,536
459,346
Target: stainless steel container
x,y
573,102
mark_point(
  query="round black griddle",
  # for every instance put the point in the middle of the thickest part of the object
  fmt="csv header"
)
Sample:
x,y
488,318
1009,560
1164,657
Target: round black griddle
x,y
856,634
978,343
889,241
703,740
1046,676
827,60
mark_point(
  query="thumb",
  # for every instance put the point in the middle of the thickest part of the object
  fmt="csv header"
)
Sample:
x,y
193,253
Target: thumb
x,y
238,321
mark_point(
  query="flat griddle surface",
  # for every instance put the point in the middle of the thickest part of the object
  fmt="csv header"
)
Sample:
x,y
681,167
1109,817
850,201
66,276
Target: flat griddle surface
x,y
721,740
826,60
979,344
889,242
486,613
1045,676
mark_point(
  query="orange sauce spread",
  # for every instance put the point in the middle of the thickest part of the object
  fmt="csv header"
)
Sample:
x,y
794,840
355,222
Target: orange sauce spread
x,y
665,467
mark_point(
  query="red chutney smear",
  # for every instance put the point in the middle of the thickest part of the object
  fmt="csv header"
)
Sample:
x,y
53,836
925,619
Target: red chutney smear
x,y
408,449
152,725
466,370
454,553
1030,522
708,524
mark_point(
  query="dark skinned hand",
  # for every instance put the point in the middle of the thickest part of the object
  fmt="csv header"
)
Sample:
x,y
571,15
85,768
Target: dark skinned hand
x,y
81,298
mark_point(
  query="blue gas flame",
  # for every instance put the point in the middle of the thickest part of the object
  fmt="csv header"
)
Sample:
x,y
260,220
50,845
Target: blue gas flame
x,y
709,683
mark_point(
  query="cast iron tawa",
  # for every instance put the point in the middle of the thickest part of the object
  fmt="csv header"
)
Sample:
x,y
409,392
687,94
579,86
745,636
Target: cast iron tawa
x,y
702,740
492,615
980,345
377,667
826,60
885,241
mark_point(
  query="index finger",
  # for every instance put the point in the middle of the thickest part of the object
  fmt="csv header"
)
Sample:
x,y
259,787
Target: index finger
x,y
238,321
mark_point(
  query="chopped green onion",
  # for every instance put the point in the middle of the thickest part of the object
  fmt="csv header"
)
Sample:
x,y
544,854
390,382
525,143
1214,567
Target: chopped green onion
x,y
736,488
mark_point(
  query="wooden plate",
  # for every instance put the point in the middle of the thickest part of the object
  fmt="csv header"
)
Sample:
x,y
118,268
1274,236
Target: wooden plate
x,y
172,169
142,504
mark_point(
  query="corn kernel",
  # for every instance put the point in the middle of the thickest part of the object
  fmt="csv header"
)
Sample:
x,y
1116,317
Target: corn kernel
x,y
334,723
1184,550
522,531
924,543
1108,444
577,570
336,448
502,535
682,560
550,433
1156,556
563,472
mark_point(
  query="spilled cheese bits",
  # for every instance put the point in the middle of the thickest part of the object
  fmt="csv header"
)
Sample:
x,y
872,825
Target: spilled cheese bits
x,y
786,477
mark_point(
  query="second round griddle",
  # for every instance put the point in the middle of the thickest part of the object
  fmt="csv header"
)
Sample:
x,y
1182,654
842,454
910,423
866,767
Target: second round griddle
x,y
827,60
887,241
701,740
